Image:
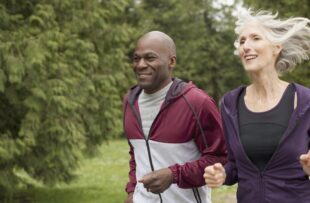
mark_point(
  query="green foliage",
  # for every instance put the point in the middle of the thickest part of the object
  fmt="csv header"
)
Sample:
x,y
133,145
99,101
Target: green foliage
x,y
204,38
286,8
63,71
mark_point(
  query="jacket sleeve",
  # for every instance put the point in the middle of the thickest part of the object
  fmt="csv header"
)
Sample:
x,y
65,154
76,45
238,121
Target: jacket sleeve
x,y
211,146
309,139
131,184
231,170
130,187
230,166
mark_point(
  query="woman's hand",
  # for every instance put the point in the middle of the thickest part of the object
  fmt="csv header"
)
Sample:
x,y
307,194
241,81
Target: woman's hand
x,y
215,175
305,162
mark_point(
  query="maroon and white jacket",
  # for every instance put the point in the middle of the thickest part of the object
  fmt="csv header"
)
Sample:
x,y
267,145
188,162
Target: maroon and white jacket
x,y
186,136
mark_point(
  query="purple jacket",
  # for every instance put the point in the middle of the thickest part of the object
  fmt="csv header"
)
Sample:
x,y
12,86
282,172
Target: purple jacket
x,y
282,180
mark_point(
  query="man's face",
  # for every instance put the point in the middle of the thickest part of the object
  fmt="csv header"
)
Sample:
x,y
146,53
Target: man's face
x,y
152,64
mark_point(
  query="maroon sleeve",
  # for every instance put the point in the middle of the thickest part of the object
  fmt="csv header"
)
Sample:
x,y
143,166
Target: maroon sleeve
x,y
214,151
130,187
131,184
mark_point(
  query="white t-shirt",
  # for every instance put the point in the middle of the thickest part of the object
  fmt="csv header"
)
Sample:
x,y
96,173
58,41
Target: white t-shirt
x,y
149,106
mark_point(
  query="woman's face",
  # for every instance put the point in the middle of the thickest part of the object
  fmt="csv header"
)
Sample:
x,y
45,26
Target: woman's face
x,y
256,52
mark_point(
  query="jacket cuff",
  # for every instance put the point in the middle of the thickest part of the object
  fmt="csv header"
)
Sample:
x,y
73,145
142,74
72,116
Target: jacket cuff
x,y
175,173
130,188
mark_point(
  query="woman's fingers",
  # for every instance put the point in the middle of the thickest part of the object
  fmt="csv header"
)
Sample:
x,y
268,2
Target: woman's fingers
x,y
214,175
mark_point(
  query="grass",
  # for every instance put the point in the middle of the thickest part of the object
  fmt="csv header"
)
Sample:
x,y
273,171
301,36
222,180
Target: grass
x,y
102,180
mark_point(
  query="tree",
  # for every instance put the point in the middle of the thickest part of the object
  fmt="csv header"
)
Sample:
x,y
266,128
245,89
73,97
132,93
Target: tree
x,y
63,70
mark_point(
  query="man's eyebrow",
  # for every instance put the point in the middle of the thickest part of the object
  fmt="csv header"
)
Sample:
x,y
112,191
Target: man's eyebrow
x,y
145,54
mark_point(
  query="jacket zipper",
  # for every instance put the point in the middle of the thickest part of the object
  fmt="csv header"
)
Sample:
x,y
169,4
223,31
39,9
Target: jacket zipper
x,y
261,187
260,182
147,139
148,145
235,124
292,124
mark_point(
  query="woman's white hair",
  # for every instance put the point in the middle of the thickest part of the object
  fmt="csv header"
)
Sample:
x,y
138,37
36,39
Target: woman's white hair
x,y
293,34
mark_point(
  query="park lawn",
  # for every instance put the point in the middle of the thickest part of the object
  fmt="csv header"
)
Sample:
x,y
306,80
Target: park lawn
x,y
102,180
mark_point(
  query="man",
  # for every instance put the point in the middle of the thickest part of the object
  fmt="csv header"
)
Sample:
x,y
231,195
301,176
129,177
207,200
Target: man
x,y
173,129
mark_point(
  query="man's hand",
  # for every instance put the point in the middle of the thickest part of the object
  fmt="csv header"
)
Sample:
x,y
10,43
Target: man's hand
x,y
157,181
215,175
129,198
305,162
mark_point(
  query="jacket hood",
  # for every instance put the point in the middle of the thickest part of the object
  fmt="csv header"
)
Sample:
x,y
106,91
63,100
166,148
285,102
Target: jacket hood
x,y
230,100
177,89
303,99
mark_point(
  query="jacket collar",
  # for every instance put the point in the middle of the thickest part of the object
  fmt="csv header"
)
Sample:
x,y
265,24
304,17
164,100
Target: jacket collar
x,y
230,100
177,89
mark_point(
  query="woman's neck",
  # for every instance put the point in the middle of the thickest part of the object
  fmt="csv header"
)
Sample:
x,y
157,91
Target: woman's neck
x,y
265,91
266,84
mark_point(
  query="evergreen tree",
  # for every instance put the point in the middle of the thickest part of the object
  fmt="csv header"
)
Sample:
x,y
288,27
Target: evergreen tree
x,y
204,38
63,71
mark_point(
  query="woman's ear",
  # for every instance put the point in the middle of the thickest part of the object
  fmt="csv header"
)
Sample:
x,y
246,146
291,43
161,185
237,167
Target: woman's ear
x,y
277,49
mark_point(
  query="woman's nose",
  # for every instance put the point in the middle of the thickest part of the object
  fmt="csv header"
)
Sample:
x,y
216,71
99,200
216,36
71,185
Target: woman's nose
x,y
246,46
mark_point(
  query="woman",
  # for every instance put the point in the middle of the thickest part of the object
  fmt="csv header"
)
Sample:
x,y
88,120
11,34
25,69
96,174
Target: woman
x,y
267,124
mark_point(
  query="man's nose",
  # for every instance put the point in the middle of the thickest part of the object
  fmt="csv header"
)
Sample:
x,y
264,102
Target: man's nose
x,y
141,63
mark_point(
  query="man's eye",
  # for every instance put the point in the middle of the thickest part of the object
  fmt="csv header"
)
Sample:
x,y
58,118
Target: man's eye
x,y
241,41
150,58
135,59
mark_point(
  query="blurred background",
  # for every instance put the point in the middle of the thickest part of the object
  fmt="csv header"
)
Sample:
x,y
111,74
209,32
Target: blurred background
x,y
65,66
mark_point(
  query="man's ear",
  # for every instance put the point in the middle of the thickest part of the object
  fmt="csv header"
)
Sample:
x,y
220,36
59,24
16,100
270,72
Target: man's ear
x,y
173,62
